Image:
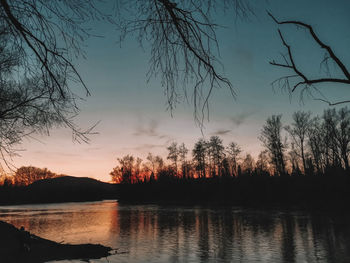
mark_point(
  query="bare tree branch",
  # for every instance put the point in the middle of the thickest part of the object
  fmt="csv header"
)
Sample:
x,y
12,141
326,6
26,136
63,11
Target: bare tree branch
x,y
184,47
306,81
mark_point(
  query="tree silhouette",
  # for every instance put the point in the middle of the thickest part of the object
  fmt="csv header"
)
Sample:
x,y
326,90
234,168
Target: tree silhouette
x,y
248,164
155,165
262,164
26,175
216,153
271,138
183,159
294,159
233,151
298,131
152,163
184,46
316,144
199,156
124,172
173,154
305,80
137,169
329,130
38,41
343,135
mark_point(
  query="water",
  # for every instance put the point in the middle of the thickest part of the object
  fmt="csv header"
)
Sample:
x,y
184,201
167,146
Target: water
x,y
152,233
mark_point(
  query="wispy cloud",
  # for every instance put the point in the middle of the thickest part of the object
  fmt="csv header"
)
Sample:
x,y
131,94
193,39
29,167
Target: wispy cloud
x,y
241,118
221,132
149,129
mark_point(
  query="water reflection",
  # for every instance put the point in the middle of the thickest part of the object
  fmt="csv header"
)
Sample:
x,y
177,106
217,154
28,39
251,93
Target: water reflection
x,y
151,233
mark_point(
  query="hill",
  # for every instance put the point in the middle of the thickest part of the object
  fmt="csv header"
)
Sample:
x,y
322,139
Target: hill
x,y
69,188
59,189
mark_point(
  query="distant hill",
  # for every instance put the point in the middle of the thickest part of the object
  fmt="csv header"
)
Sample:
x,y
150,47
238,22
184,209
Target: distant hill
x,y
70,182
69,188
59,189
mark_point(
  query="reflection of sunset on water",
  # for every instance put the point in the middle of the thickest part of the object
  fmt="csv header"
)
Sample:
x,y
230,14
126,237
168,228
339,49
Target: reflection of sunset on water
x,y
161,234
67,223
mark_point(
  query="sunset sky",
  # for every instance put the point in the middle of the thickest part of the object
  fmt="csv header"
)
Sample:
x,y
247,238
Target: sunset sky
x,y
132,112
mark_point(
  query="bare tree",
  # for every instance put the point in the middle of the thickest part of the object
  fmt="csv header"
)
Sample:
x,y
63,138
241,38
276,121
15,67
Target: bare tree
x,y
199,157
248,164
154,165
38,41
137,170
331,151
294,159
343,135
184,45
316,144
271,138
233,150
183,159
26,175
302,79
173,154
329,140
298,132
45,36
217,154
124,172
262,164
151,165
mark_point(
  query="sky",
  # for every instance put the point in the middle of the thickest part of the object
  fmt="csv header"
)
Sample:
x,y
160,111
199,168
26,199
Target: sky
x,y
132,112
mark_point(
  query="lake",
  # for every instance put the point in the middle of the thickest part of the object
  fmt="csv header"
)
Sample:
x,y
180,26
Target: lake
x,y
156,233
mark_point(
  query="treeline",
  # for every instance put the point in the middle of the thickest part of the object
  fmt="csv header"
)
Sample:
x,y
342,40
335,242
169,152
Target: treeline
x,y
27,175
309,145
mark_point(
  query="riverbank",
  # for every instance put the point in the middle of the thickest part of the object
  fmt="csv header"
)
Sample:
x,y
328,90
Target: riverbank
x,y
43,250
325,192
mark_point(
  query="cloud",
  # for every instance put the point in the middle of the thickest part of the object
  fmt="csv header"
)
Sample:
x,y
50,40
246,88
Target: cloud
x,y
240,118
149,129
220,132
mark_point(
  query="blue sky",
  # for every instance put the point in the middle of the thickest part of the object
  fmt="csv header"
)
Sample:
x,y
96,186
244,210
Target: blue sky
x,y
132,112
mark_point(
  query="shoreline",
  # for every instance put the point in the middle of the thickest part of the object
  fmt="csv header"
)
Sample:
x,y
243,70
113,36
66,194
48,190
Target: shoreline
x,y
43,250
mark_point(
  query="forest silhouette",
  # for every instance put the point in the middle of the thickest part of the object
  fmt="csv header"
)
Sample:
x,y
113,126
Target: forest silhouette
x,y
303,163
309,146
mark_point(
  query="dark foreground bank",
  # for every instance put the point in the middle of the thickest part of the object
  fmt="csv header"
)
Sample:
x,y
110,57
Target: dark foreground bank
x,y
43,250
